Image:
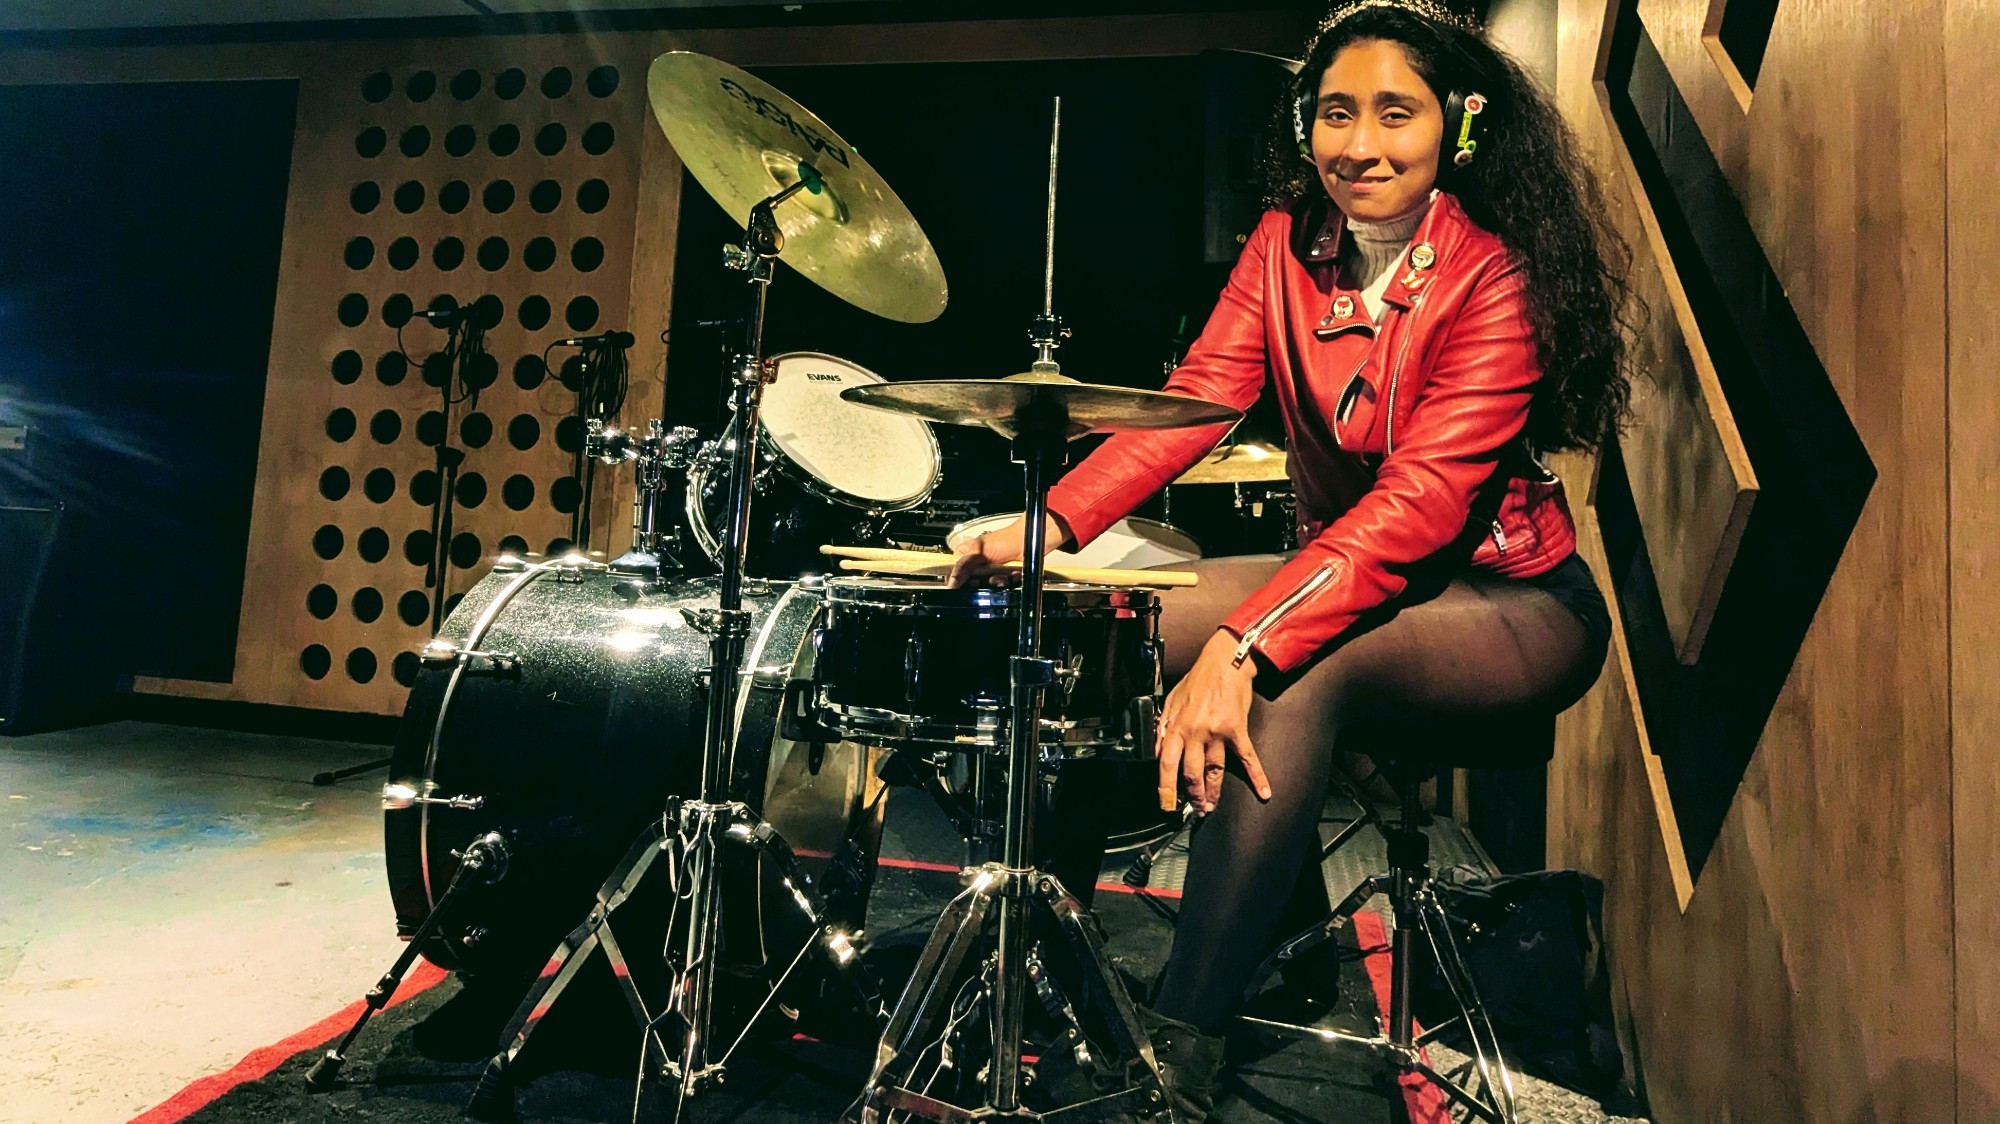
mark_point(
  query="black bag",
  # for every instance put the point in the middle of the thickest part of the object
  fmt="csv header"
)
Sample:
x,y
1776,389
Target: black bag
x,y
1534,944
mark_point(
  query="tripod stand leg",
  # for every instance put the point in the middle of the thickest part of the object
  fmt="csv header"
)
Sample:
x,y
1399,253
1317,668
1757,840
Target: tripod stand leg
x,y
1107,991
927,998
493,1098
1485,1043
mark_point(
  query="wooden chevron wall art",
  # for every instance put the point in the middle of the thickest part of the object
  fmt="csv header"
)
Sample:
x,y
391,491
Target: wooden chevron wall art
x,y
1715,597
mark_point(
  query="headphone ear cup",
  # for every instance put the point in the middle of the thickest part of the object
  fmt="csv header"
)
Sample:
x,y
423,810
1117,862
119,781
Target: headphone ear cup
x,y
1304,105
1463,131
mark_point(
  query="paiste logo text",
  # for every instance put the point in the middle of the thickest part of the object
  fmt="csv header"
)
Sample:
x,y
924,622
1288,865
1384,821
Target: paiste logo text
x,y
772,111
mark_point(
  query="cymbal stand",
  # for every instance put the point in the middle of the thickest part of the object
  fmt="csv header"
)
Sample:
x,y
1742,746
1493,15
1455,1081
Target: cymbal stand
x,y
1015,882
694,832
1040,445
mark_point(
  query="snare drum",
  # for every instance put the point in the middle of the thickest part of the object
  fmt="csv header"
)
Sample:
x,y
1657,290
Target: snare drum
x,y
916,664
828,471
1131,544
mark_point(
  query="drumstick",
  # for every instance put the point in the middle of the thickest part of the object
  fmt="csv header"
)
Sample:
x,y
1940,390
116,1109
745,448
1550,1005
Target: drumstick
x,y
929,566
1096,575
886,554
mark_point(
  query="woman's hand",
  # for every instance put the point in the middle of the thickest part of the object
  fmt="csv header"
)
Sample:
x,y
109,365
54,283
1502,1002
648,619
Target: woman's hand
x,y
983,556
1207,717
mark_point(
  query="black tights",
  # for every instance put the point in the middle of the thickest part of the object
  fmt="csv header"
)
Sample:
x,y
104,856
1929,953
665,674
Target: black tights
x,y
1481,645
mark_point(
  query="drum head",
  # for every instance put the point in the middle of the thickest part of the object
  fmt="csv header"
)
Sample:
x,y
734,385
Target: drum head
x,y
874,457
1129,544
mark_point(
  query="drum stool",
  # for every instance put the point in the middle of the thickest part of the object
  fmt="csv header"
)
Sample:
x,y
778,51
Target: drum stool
x,y
1408,751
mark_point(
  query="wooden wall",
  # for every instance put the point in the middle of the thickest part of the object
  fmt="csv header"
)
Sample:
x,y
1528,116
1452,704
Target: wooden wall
x,y
1818,957
1972,291
333,606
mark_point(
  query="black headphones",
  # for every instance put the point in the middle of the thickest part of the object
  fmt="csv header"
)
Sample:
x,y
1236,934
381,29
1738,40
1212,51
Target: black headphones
x,y
1463,127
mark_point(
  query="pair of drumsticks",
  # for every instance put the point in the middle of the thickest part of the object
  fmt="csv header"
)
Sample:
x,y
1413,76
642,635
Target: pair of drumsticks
x,y
927,564
919,563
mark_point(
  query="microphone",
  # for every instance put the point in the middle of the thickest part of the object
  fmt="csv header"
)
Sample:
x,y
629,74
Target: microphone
x,y
614,339
444,312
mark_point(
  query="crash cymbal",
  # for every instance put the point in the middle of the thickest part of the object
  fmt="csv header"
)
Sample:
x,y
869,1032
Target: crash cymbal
x,y
744,141
1010,404
1247,463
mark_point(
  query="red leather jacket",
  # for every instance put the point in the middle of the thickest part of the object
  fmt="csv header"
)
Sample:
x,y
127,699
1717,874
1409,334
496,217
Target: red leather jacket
x,y
1404,443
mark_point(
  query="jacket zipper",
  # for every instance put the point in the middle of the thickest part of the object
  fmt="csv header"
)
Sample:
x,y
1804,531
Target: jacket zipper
x,y
1389,435
1256,631
1500,538
1345,405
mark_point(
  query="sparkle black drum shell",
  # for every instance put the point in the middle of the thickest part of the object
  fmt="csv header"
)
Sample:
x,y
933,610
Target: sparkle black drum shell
x,y
828,470
576,750
909,663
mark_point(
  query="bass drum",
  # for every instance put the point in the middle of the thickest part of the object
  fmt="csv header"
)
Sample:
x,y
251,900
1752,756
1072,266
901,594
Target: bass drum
x,y
579,715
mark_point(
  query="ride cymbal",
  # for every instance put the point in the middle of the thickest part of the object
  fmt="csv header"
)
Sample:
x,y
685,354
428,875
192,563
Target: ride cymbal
x,y
1018,402
1247,463
744,141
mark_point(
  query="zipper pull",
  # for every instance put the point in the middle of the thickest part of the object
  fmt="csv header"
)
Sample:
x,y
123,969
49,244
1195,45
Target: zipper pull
x,y
1499,537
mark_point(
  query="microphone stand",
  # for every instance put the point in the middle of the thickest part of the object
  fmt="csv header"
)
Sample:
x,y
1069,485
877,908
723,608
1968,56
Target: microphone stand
x,y
457,349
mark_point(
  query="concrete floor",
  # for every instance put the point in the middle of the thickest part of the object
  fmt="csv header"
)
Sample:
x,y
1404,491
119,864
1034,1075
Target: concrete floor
x,y
171,899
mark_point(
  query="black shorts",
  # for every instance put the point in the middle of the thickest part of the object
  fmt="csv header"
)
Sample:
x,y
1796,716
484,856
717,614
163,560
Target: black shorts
x,y
1572,584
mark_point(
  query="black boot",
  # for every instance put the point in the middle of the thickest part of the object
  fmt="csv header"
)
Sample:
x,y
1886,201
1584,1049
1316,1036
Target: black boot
x,y
1189,1062
1188,1059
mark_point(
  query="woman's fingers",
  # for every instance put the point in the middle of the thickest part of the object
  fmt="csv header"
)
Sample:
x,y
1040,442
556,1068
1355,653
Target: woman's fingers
x,y
1219,759
1194,773
966,556
1253,767
1170,769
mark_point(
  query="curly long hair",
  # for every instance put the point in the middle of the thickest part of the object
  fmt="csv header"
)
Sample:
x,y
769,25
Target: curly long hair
x,y
1529,186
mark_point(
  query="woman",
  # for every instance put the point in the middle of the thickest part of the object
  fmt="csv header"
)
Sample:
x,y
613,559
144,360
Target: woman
x,y
1437,302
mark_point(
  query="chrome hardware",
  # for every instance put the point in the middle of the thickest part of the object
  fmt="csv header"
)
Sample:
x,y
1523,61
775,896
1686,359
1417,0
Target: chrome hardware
x,y
1068,672
397,795
476,662
703,620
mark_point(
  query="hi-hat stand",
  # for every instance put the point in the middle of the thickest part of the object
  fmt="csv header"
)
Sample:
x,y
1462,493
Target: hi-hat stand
x,y
695,831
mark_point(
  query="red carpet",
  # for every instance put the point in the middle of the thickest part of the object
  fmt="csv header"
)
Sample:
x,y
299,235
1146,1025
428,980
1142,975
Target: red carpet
x,y
264,1059
1426,1102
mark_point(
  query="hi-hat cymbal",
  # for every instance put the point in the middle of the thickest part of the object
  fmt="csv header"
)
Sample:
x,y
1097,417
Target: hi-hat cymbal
x,y
744,141
1247,463
1018,402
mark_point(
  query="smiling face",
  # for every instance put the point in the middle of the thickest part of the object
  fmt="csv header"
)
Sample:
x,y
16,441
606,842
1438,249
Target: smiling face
x,y
1375,136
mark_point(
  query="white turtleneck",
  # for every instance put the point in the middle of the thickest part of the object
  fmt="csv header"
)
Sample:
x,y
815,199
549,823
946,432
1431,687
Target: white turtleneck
x,y
1369,252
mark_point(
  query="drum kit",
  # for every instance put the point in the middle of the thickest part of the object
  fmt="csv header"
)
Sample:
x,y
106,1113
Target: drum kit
x,y
713,745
